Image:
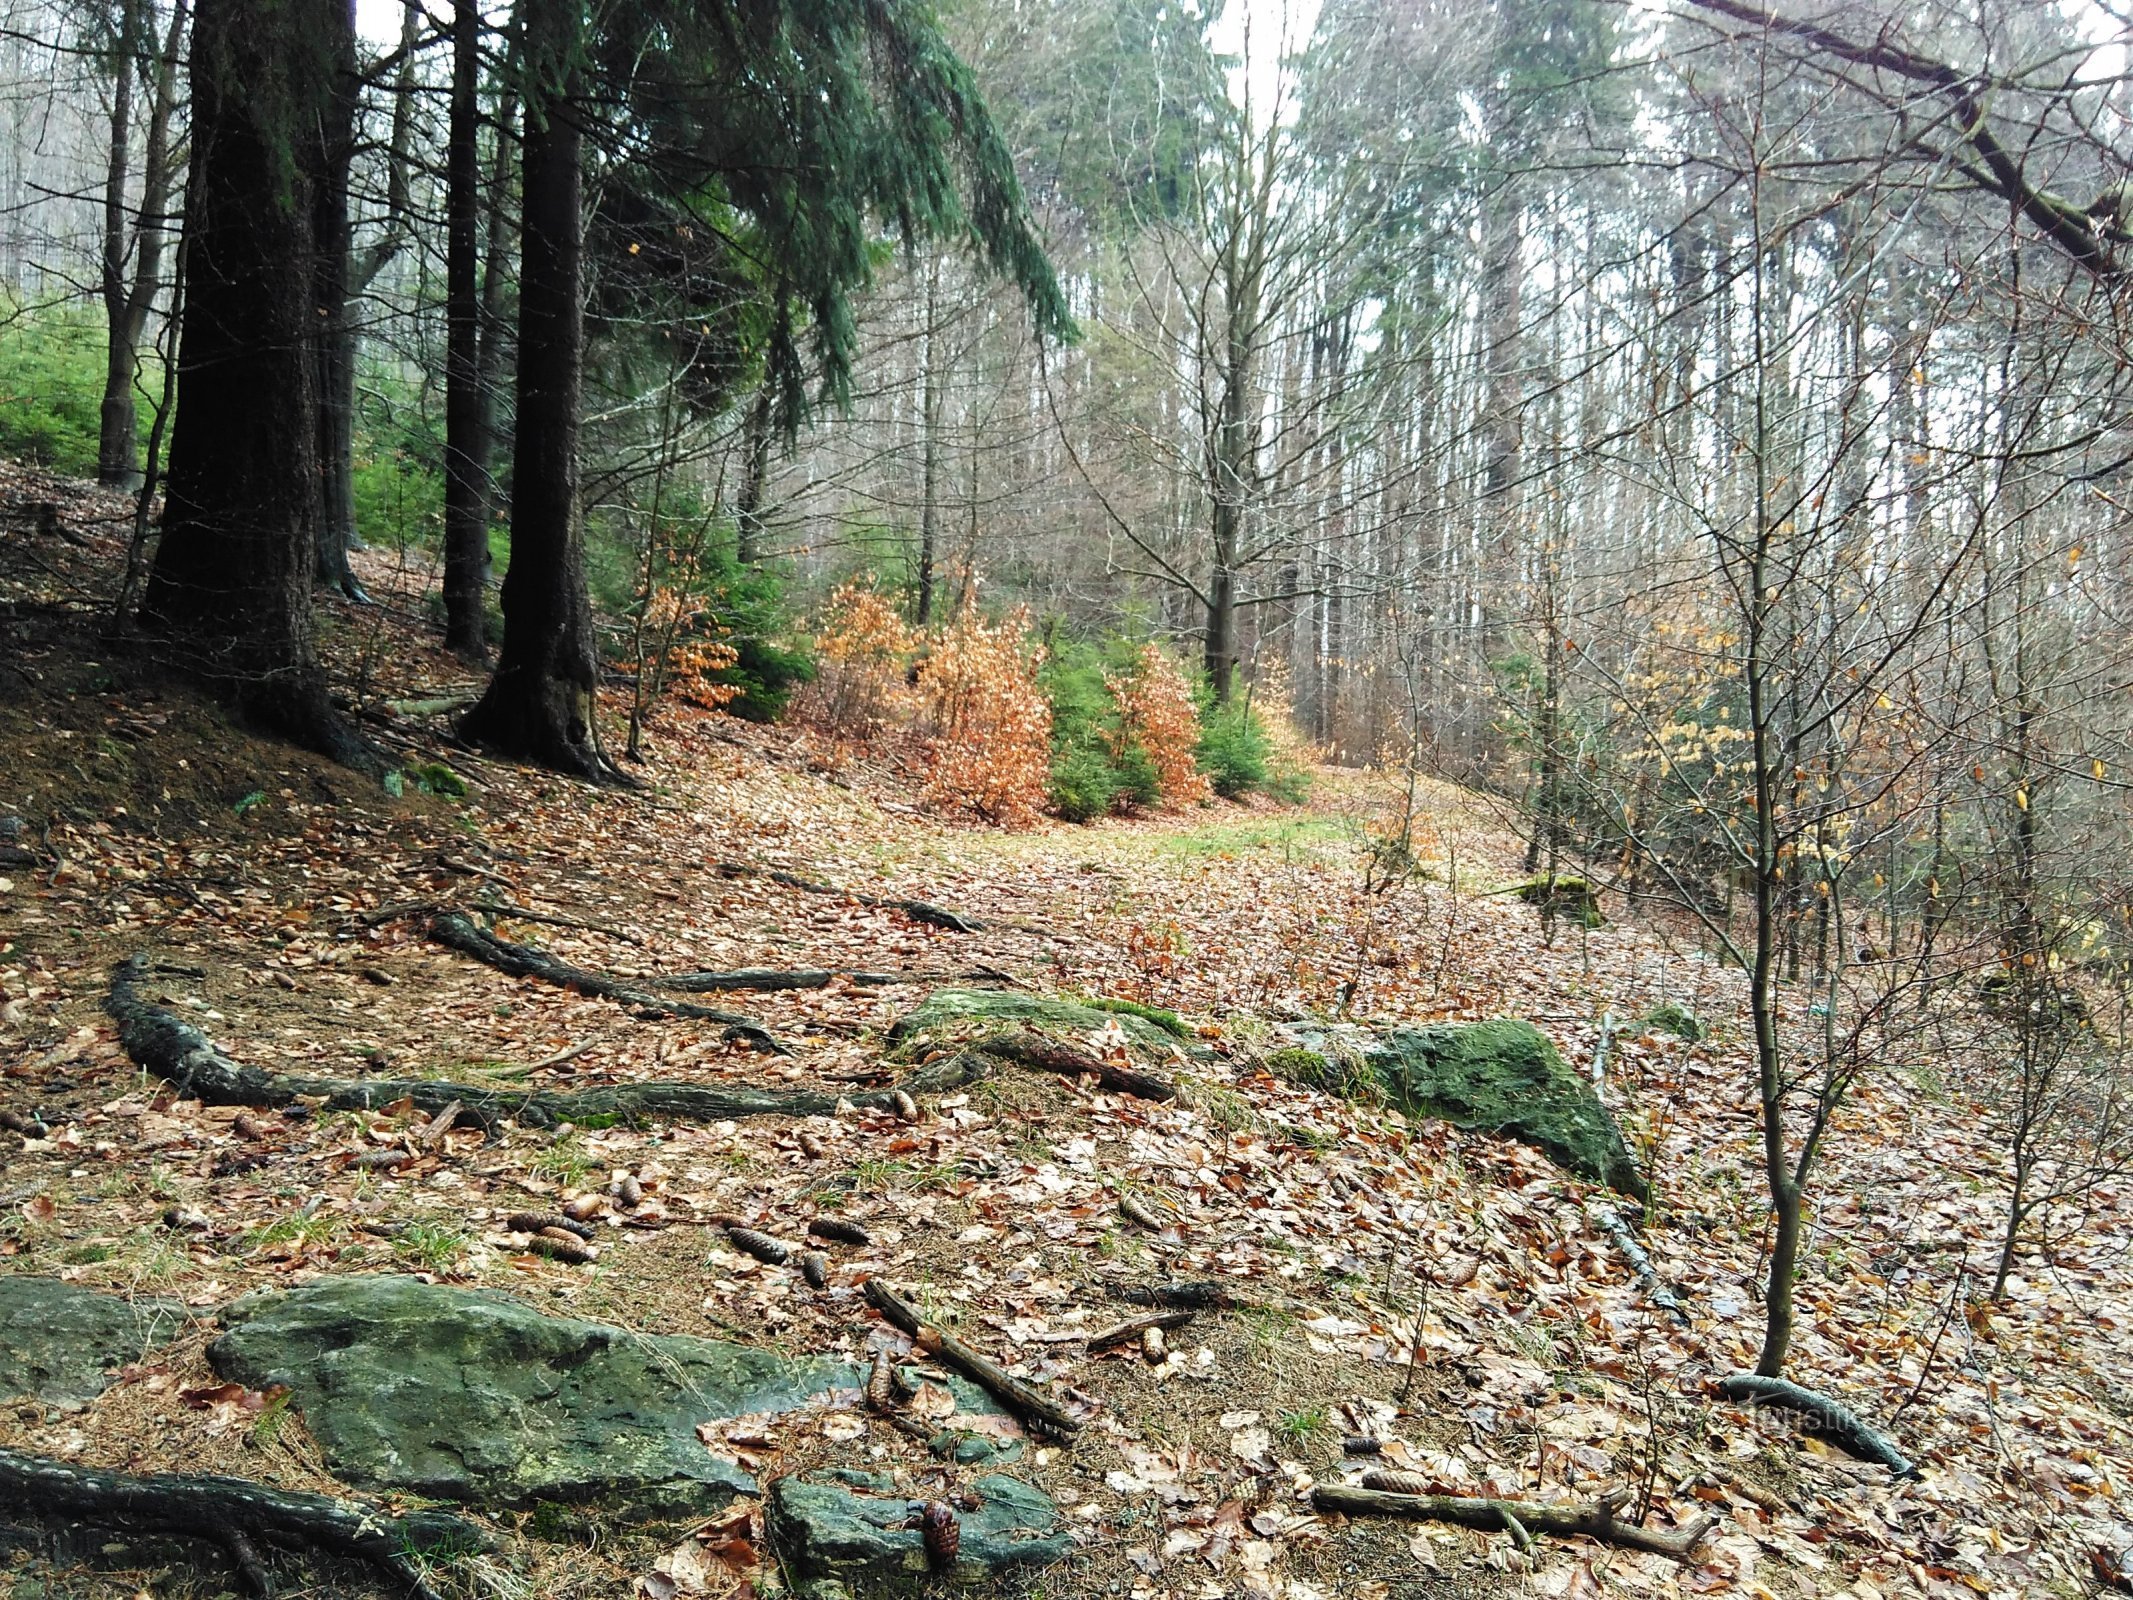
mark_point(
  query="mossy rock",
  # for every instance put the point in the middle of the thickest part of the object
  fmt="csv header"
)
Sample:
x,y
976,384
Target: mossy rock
x,y
64,1343
1572,899
1670,1016
464,1394
963,1016
1499,1077
841,1532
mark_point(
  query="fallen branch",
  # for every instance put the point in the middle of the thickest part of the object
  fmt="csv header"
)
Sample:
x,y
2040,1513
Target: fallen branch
x,y
1820,1414
495,908
917,910
458,932
1133,1327
158,1040
1638,1259
234,1511
1596,1521
1022,1398
1033,1050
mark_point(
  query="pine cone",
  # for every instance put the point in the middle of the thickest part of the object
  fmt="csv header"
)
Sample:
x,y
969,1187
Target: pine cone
x,y
942,1533
759,1245
840,1230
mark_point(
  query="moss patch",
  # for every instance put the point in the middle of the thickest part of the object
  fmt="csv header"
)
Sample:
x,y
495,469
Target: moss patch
x,y
1493,1077
961,1016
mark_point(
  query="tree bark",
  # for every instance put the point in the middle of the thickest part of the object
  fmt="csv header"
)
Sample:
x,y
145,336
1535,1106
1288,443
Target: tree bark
x,y
466,418
539,705
231,588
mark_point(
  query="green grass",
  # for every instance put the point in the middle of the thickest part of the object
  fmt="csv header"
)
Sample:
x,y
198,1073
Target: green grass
x,y
431,1246
1326,840
566,1161
298,1232
1298,1428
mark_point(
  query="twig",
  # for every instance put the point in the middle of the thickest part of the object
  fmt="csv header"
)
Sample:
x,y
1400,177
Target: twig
x,y
1134,1327
1021,1397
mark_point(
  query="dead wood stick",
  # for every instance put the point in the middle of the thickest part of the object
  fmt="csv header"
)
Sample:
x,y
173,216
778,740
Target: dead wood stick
x,y
1638,1259
438,1126
1596,1521
1019,1396
158,1040
1134,1327
1819,1414
456,932
213,1507
1033,1050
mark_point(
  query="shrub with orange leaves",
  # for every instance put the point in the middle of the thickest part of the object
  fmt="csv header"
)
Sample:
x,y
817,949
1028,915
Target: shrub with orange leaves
x,y
990,744
861,652
685,661
1157,716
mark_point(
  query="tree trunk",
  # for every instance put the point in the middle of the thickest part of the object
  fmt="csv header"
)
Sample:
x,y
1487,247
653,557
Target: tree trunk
x,y
126,308
1503,284
539,705
748,509
929,505
335,349
231,587
466,419
118,439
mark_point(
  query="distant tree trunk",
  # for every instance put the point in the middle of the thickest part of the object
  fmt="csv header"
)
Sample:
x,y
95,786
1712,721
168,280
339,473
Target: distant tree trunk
x,y
335,340
748,508
346,280
1503,283
231,588
466,411
126,307
539,705
929,504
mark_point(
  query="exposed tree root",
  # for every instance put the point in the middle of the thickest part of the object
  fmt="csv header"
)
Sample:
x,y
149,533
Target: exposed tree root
x,y
1034,1050
160,1041
1819,1414
1596,1521
1027,1402
917,910
771,979
459,933
233,1512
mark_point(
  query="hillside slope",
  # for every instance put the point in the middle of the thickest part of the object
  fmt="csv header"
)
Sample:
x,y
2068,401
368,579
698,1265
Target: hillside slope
x,y
1451,1293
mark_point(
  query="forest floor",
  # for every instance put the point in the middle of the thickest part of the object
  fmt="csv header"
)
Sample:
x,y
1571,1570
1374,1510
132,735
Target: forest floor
x,y
1452,1292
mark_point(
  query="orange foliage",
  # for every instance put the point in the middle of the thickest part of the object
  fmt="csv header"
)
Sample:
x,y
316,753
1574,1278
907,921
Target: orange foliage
x,y
686,661
991,746
1155,712
861,651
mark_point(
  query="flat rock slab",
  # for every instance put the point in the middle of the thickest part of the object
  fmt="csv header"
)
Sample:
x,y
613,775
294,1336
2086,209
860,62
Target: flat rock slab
x,y
1501,1076
852,1533
463,1394
64,1343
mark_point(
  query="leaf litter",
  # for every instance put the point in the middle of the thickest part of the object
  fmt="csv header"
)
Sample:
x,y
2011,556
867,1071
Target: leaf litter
x,y
1450,1297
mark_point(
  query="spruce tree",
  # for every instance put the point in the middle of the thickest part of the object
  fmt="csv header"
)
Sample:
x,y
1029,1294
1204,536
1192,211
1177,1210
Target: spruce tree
x,y
815,125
